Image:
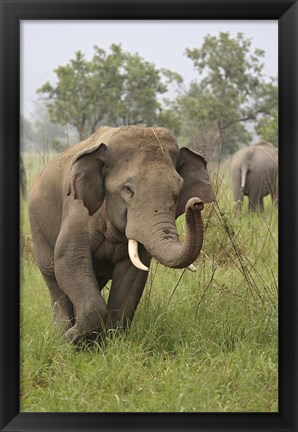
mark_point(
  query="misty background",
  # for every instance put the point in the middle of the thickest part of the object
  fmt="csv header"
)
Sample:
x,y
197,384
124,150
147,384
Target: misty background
x,y
213,83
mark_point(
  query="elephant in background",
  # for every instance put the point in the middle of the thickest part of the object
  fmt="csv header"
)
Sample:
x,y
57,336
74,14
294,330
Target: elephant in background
x,y
23,179
101,210
254,173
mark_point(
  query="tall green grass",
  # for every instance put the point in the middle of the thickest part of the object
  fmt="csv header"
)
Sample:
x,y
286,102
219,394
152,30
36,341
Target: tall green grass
x,y
199,342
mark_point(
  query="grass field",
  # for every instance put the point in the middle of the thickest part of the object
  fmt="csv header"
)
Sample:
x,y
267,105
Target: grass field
x,y
199,342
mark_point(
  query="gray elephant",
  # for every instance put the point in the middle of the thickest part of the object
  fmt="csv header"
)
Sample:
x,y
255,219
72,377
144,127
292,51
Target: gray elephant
x,y
23,179
254,173
101,210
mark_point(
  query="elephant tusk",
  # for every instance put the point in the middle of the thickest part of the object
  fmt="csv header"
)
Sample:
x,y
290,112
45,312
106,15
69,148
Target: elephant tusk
x,y
134,255
192,268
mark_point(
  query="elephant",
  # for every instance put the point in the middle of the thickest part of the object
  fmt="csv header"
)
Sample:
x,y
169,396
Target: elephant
x,y
23,179
101,210
254,173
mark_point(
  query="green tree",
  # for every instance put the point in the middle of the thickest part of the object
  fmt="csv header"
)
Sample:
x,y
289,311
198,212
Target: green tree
x,y
267,122
113,88
106,86
68,100
142,84
228,89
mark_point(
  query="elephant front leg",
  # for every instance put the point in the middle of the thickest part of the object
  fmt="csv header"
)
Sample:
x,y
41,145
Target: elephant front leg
x,y
77,280
128,284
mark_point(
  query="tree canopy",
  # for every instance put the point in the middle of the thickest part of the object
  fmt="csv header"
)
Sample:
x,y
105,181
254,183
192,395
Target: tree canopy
x,y
230,89
114,87
120,88
267,118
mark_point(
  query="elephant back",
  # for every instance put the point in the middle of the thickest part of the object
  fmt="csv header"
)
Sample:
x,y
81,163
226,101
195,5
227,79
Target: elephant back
x,y
264,143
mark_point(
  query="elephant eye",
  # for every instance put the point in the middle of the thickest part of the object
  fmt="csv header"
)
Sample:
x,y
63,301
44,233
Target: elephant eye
x,y
127,189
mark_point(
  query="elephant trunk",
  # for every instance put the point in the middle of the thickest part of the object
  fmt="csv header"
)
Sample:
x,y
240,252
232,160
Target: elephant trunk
x,y
163,240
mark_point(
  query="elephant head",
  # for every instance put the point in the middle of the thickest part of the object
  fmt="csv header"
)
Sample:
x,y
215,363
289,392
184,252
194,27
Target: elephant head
x,y
147,182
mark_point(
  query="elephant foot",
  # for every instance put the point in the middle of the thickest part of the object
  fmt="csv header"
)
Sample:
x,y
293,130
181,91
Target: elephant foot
x,y
72,335
86,339
63,325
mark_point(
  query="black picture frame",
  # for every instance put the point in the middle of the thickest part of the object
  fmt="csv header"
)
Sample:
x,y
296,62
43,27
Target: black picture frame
x,y
286,12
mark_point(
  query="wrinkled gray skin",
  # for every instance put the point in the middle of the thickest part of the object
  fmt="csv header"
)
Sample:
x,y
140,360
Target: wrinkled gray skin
x,y
254,173
23,179
120,184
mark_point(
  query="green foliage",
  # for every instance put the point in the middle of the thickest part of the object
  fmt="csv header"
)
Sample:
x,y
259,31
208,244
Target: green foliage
x,y
227,66
113,88
68,101
199,342
170,119
230,89
268,128
267,124
142,84
119,88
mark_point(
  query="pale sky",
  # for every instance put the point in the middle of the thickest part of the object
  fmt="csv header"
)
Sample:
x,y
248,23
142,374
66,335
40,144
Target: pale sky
x,y
48,44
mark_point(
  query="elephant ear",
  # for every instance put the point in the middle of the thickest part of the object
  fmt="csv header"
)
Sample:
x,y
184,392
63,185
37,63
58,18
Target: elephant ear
x,y
86,181
192,168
